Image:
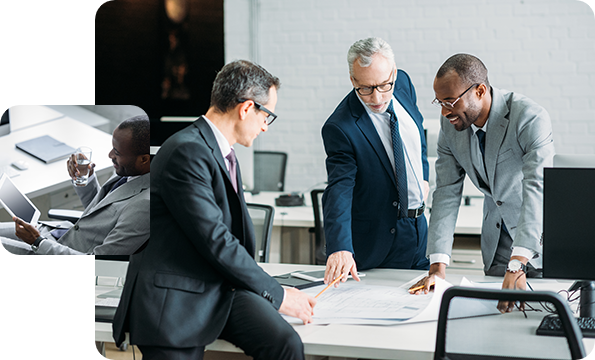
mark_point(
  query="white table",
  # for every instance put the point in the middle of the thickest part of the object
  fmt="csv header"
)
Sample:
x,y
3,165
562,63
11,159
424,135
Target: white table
x,y
291,242
417,341
41,178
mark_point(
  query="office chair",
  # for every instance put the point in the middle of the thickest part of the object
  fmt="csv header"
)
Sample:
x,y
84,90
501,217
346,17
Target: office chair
x,y
269,171
319,240
571,329
262,218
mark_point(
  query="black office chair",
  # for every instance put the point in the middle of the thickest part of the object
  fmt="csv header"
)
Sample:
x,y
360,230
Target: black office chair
x,y
573,333
269,170
262,219
319,240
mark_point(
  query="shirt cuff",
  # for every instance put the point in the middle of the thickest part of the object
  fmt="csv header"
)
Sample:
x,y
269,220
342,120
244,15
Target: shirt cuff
x,y
524,252
283,298
440,258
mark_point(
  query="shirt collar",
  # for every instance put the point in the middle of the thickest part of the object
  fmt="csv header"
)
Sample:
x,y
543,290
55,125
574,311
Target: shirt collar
x,y
484,128
221,140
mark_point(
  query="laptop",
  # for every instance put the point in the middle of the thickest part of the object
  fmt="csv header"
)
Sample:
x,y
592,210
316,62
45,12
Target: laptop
x,y
16,203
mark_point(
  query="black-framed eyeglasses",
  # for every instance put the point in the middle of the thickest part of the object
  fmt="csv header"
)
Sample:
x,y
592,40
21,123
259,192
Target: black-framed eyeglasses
x,y
368,90
451,105
269,119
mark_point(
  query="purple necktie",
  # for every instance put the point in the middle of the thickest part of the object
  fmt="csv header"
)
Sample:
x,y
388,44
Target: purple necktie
x,y
232,169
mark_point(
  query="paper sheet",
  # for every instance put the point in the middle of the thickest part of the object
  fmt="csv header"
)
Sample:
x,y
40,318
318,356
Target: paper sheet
x,y
359,304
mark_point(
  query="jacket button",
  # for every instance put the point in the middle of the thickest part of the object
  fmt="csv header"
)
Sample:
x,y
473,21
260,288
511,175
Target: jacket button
x,y
499,203
265,294
76,227
497,226
395,203
393,230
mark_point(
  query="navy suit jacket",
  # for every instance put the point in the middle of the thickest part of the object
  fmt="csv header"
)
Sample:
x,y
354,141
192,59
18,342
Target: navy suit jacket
x,y
360,201
179,289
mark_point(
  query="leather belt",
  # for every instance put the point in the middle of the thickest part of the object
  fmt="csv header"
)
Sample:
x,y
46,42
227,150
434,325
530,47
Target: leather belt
x,y
415,213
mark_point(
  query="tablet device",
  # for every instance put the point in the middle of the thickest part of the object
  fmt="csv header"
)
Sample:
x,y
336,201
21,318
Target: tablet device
x,y
16,203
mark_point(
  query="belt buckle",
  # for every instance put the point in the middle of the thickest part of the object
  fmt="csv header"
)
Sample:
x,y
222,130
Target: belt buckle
x,y
420,210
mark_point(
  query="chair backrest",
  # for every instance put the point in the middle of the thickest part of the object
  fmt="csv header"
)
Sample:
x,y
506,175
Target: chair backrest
x,y
320,242
262,219
269,170
571,330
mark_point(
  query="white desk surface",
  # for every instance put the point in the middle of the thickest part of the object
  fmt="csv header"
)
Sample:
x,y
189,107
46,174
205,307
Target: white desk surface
x,y
24,116
413,341
468,222
41,178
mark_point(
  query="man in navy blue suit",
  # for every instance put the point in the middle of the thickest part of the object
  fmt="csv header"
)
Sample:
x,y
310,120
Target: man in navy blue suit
x,y
377,169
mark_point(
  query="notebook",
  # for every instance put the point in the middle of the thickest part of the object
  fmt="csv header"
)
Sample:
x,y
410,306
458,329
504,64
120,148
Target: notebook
x,y
46,148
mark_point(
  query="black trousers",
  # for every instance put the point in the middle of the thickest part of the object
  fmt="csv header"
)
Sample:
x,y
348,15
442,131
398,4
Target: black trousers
x,y
502,257
253,325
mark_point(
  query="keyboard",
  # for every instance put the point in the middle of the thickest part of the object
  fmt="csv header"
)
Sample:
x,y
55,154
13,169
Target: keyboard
x,y
9,171
552,326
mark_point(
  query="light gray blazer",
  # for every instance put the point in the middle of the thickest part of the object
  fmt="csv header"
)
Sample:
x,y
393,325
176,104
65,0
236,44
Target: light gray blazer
x,y
519,145
114,223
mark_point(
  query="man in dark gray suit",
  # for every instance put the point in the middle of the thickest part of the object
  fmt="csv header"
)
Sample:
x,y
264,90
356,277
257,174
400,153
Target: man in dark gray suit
x,y
197,279
114,222
502,140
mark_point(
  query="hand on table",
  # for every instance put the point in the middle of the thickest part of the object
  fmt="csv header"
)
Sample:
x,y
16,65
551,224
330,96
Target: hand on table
x,y
340,262
25,231
298,304
436,269
513,281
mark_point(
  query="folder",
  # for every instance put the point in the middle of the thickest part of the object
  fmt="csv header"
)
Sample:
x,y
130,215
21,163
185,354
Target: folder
x,y
46,148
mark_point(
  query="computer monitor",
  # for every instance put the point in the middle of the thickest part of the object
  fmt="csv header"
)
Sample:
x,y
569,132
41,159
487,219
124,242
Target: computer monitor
x,y
5,123
569,225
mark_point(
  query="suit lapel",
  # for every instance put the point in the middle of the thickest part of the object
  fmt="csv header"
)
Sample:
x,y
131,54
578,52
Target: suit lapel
x,y
364,123
498,123
106,198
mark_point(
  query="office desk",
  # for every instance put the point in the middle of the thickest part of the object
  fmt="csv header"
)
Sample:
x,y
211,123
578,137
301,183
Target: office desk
x,y
417,341
291,241
41,178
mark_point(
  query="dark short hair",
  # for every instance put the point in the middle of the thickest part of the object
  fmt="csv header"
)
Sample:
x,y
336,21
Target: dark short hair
x,y
241,79
469,68
140,128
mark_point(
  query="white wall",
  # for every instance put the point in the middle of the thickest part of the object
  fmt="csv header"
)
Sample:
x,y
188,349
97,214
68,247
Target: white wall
x,y
544,49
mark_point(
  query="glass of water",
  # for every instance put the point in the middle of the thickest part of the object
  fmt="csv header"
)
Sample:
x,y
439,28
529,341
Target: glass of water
x,y
83,159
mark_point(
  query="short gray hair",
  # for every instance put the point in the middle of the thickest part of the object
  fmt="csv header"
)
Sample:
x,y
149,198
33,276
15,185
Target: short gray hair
x,y
363,51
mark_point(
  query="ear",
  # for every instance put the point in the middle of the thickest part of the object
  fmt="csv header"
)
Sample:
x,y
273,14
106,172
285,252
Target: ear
x,y
244,108
352,81
143,159
481,90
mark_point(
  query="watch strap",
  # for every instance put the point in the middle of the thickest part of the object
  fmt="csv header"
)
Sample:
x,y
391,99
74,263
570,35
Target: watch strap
x,y
35,245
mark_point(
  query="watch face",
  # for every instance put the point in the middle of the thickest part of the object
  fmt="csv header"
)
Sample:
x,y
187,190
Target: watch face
x,y
514,265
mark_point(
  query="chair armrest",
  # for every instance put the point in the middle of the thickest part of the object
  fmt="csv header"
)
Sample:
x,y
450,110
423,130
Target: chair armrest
x,y
63,214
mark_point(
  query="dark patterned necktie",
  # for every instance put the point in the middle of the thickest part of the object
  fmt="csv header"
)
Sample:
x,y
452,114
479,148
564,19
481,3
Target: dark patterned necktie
x,y
120,182
400,169
231,157
481,136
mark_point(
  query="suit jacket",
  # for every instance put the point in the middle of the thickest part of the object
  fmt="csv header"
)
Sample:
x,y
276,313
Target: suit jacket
x,y
359,203
114,223
518,145
179,289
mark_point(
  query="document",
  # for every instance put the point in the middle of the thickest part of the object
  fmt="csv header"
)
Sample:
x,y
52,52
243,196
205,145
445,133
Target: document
x,y
361,304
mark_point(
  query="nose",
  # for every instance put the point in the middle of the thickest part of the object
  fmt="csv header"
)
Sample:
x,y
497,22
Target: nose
x,y
445,111
111,154
375,96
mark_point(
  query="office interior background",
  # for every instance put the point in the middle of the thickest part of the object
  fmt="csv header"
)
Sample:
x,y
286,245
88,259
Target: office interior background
x,y
544,49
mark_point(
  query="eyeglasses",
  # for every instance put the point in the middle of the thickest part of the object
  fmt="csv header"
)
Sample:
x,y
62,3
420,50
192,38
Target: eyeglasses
x,y
269,119
382,88
451,105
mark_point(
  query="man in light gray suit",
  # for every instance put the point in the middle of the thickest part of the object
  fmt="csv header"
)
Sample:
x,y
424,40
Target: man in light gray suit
x,y
502,140
116,216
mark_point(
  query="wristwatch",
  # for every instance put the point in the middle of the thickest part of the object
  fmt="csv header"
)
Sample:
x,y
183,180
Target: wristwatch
x,y
35,245
515,265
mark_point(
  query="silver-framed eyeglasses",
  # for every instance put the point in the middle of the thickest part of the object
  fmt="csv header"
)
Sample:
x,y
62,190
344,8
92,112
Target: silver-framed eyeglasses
x,y
451,105
270,118
382,88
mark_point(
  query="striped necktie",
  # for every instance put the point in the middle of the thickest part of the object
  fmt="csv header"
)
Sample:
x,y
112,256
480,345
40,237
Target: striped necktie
x,y
400,170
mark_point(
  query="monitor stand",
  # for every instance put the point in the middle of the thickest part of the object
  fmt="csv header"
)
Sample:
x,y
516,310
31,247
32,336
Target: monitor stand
x,y
587,301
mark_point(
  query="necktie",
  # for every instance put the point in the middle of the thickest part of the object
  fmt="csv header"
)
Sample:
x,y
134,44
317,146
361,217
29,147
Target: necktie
x,y
120,182
481,136
232,169
400,170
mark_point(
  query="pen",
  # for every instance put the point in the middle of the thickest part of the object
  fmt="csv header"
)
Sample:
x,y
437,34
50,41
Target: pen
x,y
412,290
329,285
